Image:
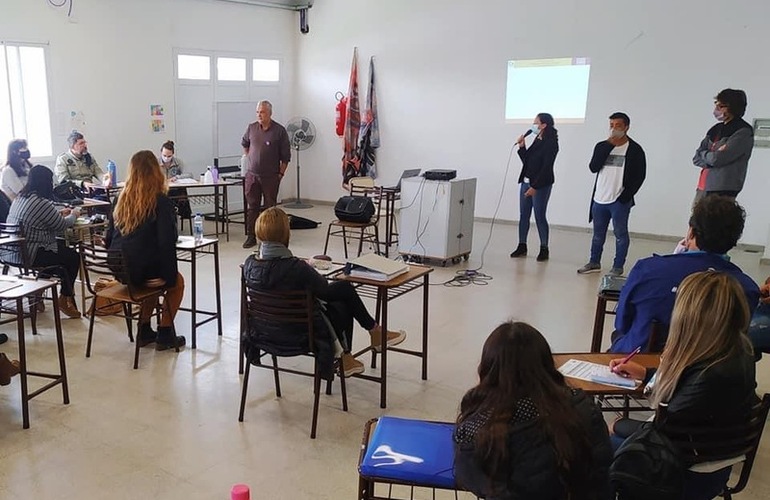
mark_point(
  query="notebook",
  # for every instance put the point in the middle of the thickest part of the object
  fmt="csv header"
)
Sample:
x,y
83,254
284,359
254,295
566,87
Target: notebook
x,y
376,267
611,285
408,450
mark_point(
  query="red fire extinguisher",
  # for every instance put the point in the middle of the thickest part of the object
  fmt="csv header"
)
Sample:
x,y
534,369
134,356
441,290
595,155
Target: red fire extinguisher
x,y
342,103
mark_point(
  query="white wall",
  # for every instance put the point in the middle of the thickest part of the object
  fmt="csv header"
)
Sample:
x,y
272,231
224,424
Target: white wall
x,y
442,66
114,58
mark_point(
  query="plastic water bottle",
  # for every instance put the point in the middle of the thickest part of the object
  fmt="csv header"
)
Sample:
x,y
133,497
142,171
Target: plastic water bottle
x,y
112,170
198,227
215,174
240,492
208,178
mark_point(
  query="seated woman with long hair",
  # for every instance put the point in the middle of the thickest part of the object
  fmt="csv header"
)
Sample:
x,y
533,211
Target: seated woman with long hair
x,y
42,222
706,375
523,432
275,268
143,228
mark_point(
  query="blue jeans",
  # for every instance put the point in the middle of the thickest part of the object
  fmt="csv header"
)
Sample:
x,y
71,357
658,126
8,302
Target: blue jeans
x,y
602,214
540,203
759,330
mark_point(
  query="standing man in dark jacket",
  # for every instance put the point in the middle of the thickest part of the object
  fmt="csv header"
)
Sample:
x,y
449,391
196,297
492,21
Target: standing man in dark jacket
x,y
620,167
266,144
723,155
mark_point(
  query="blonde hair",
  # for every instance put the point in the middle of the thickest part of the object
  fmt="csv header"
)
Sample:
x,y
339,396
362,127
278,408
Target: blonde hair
x,y
273,225
709,323
139,198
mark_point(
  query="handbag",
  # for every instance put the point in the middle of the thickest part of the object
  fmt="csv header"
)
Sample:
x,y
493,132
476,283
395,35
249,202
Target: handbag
x,y
354,209
67,191
105,306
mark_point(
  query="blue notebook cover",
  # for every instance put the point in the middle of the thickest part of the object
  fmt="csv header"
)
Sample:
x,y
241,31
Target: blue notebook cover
x,y
413,451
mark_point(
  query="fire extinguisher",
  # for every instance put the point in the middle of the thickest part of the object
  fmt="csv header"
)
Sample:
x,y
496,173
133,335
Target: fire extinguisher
x,y
342,103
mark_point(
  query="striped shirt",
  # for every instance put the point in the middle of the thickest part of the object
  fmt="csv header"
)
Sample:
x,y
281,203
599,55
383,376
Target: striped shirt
x,y
41,223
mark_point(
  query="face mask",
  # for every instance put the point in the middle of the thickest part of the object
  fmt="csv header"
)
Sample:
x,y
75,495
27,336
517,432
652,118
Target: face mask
x,y
535,129
166,159
719,115
24,155
616,134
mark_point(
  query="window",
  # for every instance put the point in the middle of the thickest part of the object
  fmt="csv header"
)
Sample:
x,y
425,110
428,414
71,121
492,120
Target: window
x,y
193,67
555,86
266,70
231,69
24,110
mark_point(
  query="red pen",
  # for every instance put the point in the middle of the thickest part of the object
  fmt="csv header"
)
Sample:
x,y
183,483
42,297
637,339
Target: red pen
x,y
627,359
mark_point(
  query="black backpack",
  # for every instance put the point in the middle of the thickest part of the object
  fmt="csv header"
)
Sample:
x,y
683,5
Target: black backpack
x,y
354,209
67,191
647,466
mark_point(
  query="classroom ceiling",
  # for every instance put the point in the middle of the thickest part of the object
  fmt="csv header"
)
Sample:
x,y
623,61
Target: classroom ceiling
x,y
276,4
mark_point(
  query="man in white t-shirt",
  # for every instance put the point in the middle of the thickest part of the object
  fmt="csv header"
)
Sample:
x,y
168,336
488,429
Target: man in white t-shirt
x,y
620,167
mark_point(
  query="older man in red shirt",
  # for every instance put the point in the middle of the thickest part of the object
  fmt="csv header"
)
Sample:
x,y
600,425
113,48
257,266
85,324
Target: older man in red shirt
x,y
266,145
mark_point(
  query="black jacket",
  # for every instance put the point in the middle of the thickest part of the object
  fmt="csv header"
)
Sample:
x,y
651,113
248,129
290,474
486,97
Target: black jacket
x,y
633,174
533,471
720,396
538,161
150,250
289,274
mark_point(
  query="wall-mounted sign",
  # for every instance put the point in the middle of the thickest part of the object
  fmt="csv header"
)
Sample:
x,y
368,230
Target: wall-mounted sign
x,y
762,133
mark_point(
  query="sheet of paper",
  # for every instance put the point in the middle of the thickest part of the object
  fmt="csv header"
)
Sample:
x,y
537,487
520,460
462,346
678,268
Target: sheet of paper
x,y
594,372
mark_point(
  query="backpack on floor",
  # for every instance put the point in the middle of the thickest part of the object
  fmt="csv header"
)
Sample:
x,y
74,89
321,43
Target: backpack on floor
x,y
647,466
354,209
296,222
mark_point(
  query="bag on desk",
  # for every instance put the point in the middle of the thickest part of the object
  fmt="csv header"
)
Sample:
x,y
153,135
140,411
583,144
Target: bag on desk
x,y
354,209
67,191
105,306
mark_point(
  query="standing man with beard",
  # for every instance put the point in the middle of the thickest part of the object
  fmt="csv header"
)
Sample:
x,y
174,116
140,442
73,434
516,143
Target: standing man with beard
x,y
266,144
723,155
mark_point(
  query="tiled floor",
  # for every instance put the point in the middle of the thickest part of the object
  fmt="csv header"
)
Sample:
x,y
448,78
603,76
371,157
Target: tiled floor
x,y
170,431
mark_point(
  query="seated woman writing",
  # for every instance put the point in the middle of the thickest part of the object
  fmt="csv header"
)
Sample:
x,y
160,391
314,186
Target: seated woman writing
x,y
706,375
42,222
277,269
143,228
522,432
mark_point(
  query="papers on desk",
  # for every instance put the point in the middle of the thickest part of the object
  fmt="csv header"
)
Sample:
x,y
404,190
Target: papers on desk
x,y
185,181
8,285
376,267
594,372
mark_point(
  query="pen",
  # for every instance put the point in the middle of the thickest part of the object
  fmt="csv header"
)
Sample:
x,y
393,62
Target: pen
x,y
627,358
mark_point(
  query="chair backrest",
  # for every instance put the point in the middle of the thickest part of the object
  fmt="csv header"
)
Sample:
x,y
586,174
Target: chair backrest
x,y
277,308
9,257
710,443
360,182
370,191
101,262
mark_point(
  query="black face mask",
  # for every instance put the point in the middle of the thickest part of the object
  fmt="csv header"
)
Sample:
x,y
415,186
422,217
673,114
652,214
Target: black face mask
x,y
24,155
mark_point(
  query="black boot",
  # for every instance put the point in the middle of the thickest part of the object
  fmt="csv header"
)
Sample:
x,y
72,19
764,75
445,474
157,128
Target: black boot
x,y
146,335
521,251
167,339
543,255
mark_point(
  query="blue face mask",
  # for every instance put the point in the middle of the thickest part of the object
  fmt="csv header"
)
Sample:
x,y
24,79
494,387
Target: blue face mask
x,y
535,129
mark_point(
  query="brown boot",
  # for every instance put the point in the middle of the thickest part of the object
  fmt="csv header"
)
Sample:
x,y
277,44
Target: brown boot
x,y
68,306
8,369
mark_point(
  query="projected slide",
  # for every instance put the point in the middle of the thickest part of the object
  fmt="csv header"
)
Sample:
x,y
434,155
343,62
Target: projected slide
x,y
556,86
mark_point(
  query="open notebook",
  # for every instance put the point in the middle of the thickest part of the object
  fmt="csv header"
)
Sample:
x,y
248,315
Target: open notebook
x,y
376,267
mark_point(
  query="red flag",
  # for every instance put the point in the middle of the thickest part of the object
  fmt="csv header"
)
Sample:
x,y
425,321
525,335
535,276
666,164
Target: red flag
x,y
351,162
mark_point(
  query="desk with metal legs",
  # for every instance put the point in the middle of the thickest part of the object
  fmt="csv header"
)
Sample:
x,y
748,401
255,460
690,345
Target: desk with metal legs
x,y
24,289
188,250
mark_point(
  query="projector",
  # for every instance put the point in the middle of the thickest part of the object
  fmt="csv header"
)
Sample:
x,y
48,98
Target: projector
x,y
440,175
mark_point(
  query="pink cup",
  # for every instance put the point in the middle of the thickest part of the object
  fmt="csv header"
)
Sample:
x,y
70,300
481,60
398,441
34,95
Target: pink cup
x,y
240,492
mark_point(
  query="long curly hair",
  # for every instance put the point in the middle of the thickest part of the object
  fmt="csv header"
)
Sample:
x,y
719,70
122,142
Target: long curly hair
x,y
139,198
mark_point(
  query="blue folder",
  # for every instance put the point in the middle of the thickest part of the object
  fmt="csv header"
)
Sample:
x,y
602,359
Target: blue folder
x,y
412,451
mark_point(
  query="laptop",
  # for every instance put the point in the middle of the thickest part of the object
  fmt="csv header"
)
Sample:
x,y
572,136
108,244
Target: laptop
x,y
411,172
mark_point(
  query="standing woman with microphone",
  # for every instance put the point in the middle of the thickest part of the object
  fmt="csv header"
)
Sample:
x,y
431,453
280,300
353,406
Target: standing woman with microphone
x,y
536,179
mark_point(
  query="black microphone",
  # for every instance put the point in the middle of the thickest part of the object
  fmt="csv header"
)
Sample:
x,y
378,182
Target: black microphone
x,y
529,131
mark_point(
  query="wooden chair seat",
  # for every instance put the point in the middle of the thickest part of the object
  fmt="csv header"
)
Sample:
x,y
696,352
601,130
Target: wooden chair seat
x,y
121,292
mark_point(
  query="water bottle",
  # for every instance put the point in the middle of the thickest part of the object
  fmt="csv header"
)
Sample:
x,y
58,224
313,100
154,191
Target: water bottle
x,y
215,174
208,177
198,227
112,170
240,492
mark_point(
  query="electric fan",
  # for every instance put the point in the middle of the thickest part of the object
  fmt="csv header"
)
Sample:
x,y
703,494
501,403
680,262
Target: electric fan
x,y
301,136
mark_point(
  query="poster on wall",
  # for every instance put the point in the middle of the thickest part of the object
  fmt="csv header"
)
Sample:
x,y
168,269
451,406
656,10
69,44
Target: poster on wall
x,y
78,122
157,121
762,133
